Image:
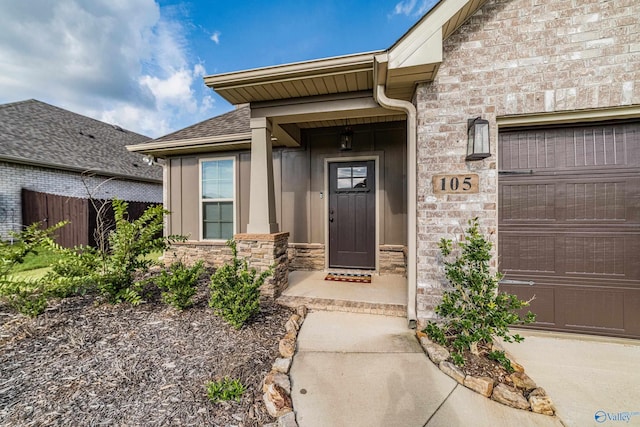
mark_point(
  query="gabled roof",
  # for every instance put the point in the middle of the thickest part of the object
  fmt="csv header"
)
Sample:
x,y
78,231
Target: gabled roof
x,y
412,59
228,131
33,132
236,121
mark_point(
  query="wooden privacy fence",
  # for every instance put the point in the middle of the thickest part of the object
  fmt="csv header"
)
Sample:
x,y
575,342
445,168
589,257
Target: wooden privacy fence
x,y
81,214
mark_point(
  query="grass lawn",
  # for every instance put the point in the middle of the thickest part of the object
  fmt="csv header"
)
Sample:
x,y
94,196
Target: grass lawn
x,y
36,266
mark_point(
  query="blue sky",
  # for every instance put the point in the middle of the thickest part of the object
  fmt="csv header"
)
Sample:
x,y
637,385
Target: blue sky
x,y
140,63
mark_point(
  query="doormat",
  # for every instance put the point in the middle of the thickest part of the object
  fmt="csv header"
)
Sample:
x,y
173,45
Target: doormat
x,y
357,278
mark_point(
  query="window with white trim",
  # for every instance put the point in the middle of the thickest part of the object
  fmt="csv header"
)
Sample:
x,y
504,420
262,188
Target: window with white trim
x,y
217,198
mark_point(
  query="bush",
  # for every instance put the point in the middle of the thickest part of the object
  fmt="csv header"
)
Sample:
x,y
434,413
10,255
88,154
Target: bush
x,y
29,297
179,284
224,390
112,270
235,290
473,312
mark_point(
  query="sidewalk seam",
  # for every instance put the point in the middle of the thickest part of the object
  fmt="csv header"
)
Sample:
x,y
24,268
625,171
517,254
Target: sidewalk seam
x,y
440,406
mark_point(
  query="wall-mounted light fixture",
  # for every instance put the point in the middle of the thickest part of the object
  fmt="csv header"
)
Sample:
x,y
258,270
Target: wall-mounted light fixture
x,y
346,138
478,142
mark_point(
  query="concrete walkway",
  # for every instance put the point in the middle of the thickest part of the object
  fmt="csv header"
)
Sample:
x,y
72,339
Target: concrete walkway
x,y
369,370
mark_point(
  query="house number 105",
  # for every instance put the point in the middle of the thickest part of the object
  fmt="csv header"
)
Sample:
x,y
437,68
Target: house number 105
x,y
448,184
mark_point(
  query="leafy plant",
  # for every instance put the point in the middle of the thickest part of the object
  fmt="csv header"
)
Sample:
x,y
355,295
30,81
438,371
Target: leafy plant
x,y
235,290
112,269
29,297
225,389
179,284
473,311
500,357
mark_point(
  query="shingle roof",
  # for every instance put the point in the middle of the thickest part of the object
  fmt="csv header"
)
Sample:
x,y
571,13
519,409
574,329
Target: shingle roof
x,y
35,132
233,122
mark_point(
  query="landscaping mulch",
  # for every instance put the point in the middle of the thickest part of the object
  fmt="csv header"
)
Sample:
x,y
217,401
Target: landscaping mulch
x,y
85,362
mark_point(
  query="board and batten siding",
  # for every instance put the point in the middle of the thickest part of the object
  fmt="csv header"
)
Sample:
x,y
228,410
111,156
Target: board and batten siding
x,y
299,181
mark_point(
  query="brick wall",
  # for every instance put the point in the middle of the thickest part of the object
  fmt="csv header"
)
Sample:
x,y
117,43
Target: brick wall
x,y
14,177
512,57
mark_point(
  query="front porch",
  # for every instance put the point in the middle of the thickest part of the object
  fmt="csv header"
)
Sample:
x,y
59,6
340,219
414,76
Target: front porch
x,y
386,294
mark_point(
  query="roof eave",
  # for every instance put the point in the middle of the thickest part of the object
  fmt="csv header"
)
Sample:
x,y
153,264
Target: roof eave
x,y
193,145
18,160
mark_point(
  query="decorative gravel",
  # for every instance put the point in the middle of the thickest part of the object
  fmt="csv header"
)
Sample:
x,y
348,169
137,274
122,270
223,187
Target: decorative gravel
x,y
88,363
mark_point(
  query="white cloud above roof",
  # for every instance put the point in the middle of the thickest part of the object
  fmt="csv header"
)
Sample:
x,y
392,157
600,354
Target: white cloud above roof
x,y
121,61
215,37
413,7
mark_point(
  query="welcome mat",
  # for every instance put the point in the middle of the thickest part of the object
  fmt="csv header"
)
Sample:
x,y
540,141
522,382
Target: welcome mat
x,y
357,278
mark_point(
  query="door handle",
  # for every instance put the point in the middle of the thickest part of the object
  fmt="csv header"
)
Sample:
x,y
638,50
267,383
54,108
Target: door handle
x,y
516,282
330,219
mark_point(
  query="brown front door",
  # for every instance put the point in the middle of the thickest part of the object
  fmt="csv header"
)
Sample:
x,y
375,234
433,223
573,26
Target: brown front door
x,y
352,215
569,207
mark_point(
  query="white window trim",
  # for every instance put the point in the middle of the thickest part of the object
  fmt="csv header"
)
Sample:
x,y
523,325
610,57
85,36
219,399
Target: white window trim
x,y
201,200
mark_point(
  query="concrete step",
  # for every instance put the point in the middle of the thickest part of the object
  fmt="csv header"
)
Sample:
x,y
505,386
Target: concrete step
x,y
326,304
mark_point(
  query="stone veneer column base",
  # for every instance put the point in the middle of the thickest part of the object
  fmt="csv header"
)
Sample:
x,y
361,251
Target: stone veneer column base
x,y
393,259
262,251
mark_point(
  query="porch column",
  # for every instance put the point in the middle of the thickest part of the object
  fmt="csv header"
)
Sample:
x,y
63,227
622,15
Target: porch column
x,y
262,201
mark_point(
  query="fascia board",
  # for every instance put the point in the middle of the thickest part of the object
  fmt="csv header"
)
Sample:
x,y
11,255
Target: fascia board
x,y
423,37
293,71
186,143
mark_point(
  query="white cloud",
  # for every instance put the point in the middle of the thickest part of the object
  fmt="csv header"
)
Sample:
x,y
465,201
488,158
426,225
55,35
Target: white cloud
x,y
408,7
121,61
215,37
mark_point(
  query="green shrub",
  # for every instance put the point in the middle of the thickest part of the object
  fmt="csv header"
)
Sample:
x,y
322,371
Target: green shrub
x,y
500,357
113,269
473,311
225,389
179,284
29,297
235,290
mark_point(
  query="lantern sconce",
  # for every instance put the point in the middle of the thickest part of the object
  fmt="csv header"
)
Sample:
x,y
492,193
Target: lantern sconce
x,y
346,138
478,139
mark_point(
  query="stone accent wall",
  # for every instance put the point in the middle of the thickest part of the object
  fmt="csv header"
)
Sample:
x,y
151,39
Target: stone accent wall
x,y
213,254
306,256
14,177
512,57
393,259
263,251
260,250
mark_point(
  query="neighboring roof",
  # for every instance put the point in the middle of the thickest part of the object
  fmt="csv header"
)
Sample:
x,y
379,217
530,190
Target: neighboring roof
x,y
228,131
412,59
236,121
37,133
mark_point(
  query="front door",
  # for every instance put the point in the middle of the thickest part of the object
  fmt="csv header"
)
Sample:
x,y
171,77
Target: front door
x,y
352,215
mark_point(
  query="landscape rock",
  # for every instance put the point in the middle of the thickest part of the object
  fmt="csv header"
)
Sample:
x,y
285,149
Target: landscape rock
x,y
482,385
287,347
288,420
302,312
516,366
538,392
453,371
282,364
279,379
293,324
436,352
510,397
523,381
421,334
542,405
277,401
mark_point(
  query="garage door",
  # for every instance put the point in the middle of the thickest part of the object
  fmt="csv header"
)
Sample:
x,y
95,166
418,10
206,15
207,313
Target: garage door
x,y
569,223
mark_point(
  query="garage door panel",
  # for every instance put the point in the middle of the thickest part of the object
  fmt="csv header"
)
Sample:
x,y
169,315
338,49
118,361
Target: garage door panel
x,y
531,253
542,304
597,309
528,201
569,220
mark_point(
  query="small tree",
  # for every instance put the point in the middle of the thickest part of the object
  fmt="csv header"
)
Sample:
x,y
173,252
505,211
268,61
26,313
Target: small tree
x,y
473,311
235,290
